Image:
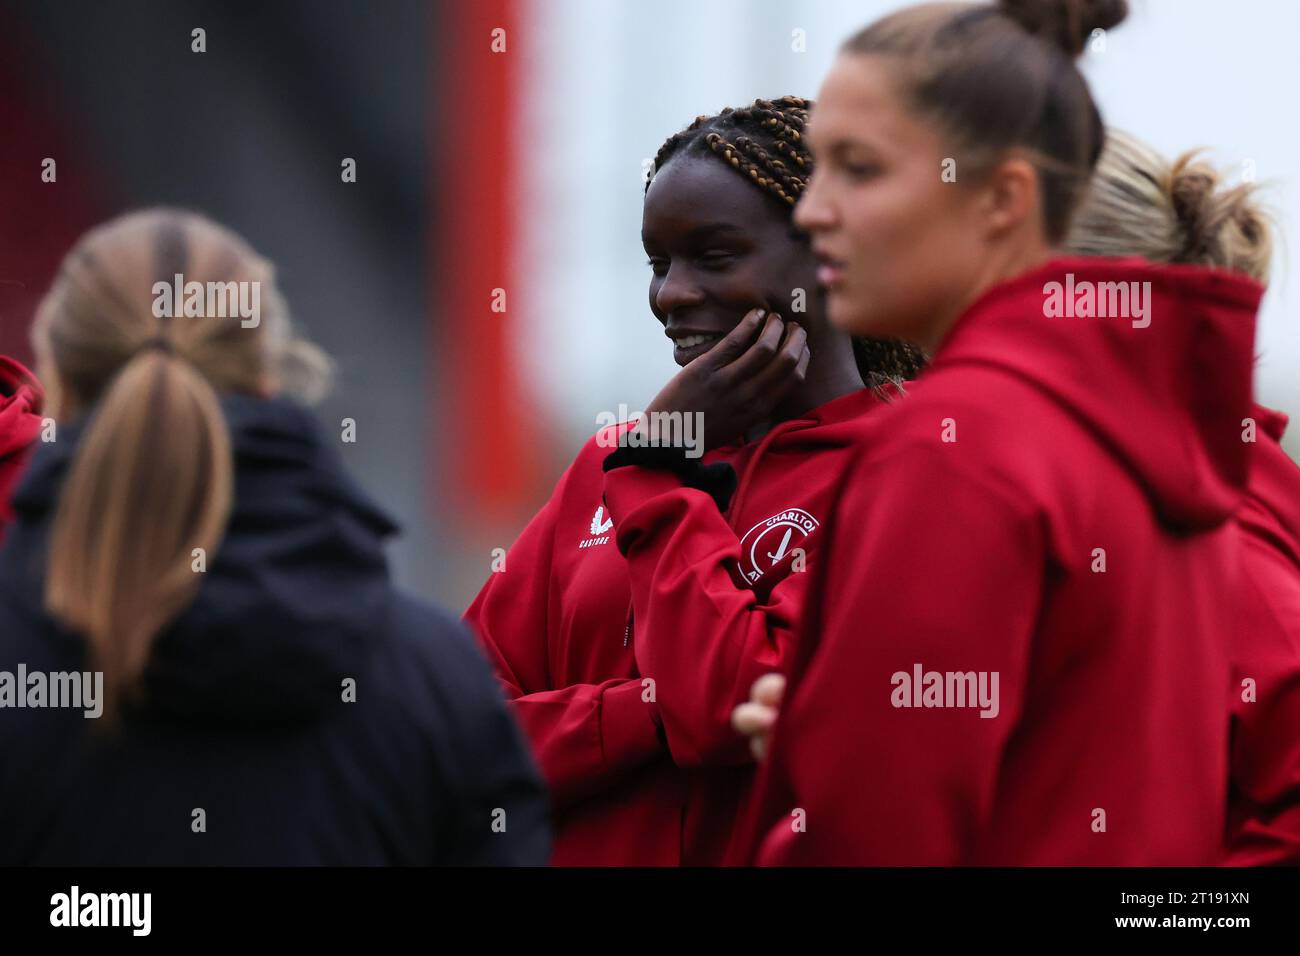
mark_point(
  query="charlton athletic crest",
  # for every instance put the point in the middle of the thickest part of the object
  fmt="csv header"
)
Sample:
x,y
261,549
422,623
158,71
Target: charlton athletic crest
x,y
765,544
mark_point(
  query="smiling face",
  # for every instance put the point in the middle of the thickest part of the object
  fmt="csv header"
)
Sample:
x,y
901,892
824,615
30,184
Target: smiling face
x,y
719,247
900,249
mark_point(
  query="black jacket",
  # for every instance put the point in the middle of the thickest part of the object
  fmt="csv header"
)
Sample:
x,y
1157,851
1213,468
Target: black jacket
x,y
242,713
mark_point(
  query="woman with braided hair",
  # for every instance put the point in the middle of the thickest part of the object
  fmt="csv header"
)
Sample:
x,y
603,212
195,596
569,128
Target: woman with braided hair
x,y
781,168
638,606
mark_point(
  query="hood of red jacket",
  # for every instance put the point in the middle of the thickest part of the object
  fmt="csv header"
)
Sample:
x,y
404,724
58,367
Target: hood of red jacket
x,y
1165,386
21,400
1271,421
1272,510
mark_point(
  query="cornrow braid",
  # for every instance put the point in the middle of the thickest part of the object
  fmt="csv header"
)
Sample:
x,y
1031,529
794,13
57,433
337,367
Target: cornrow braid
x,y
887,361
764,143
734,136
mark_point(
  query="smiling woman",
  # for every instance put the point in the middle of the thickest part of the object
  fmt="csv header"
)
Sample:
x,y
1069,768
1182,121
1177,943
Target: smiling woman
x,y
624,653
719,248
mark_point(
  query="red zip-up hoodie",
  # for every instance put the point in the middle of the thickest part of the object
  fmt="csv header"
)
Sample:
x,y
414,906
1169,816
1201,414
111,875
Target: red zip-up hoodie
x,y
21,398
624,670
1049,509
1264,799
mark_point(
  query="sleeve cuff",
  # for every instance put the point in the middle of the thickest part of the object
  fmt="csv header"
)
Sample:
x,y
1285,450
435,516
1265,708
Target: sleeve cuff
x,y
654,476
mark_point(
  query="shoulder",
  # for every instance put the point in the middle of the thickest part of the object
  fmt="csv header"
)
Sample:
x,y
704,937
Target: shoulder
x,y
433,668
428,651
980,427
978,410
604,442
581,487
586,468
449,694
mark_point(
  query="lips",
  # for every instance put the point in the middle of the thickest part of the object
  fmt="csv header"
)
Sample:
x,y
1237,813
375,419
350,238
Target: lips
x,y
690,341
690,344
830,270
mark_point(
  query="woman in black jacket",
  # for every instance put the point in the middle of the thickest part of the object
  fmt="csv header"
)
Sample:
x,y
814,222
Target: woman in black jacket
x,y
202,658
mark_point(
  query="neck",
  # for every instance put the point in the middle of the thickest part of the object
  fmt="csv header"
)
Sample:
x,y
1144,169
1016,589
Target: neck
x,y
832,373
1001,265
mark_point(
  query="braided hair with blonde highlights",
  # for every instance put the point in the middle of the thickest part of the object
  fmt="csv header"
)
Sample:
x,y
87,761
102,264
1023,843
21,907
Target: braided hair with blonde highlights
x,y
764,143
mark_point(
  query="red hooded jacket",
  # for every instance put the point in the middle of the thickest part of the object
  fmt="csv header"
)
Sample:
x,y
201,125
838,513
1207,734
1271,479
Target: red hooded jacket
x,y
1026,600
21,398
1264,800
624,670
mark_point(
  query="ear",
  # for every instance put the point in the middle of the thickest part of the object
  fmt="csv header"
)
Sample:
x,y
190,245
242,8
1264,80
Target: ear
x,y
1011,197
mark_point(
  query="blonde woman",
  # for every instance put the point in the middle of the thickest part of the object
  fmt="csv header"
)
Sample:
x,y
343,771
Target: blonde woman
x,y
1185,211
252,688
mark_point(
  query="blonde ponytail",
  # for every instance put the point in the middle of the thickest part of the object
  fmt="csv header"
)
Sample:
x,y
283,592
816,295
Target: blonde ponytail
x,y
148,495
1139,204
1221,225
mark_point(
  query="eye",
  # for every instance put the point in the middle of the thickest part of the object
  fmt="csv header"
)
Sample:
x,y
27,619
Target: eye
x,y
860,170
716,259
658,266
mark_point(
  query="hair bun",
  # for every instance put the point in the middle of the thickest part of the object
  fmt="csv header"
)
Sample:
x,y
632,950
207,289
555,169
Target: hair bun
x,y
1066,23
1219,224
1191,188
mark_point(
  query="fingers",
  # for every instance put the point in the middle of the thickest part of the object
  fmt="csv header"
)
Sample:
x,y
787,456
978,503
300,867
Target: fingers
x,y
736,342
768,690
755,718
785,369
755,722
750,718
760,352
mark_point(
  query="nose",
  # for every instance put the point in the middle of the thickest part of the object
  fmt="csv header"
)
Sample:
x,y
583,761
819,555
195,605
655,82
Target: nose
x,y
813,212
677,291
